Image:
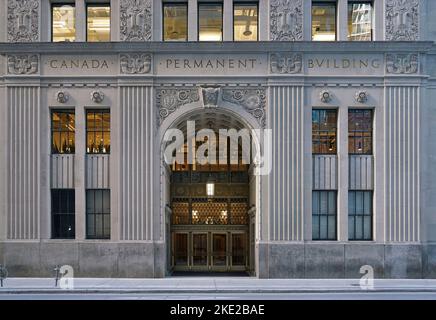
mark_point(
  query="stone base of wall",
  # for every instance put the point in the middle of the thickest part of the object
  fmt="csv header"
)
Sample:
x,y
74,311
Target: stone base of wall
x,y
276,260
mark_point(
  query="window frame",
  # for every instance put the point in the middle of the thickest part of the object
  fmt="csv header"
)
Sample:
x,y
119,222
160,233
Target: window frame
x,y
371,215
350,110
58,5
239,2
56,110
94,214
87,130
175,3
336,193
335,151
97,4
71,213
372,18
212,3
326,2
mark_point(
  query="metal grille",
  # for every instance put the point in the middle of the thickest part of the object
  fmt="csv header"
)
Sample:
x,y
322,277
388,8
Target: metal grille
x,y
239,213
181,213
209,213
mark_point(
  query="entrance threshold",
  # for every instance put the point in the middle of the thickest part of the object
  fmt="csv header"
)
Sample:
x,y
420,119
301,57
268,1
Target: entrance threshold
x,y
209,274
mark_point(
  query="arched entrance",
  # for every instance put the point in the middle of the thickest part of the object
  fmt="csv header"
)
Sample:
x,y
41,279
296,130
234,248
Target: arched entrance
x,y
211,208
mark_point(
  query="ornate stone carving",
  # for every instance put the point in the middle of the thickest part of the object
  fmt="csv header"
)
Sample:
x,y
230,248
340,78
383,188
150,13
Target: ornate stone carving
x,y
402,63
402,20
23,64
210,96
135,20
361,96
325,96
169,100
23,20
62,96
97,96
286,20
252,100
135,63
286,62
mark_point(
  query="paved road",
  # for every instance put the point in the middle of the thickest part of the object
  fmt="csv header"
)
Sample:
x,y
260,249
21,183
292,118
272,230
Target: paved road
x,y
241,296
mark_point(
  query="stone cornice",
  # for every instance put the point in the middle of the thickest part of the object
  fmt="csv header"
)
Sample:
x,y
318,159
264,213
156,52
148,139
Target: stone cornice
x,y
222,47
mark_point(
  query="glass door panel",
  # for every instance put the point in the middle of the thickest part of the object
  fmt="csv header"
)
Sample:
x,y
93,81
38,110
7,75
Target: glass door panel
x,y
199,249
219,246
181,249
239,249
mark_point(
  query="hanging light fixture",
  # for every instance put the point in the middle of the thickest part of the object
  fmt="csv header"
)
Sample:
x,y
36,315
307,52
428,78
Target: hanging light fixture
x,y
210,189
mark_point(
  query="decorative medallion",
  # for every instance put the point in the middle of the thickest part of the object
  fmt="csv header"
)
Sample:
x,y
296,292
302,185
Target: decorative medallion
x,y
23,64
361,96
210,96
402,20
135,20
62,96
402,63
97,96
135,63
23,20
325,96
169,100
286,62
252,100
286,21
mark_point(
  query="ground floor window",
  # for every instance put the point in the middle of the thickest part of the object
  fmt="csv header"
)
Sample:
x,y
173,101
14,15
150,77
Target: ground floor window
x,y
324,213
63,213
98,218
360,215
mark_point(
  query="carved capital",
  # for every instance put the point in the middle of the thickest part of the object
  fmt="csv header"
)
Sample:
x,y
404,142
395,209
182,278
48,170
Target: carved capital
x,y
402,63
135,63
23,20
286,20
402,20
252,100
135,20
169,100
23,64
286,63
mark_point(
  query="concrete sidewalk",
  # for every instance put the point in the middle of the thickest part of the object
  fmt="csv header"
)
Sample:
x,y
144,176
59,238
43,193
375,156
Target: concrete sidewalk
x,y
213,285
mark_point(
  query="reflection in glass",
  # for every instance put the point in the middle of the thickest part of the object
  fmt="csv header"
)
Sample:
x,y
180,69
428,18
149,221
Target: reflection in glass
x,y
360,21
324,209
245,22
324,123
63,23
360,131
323,21
98,23
210,22
175,21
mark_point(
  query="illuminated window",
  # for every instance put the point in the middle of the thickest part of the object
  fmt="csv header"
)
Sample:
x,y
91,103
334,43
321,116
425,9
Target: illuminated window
x,y
98,23
62,131
360,21
324,123
98,217
210,22
63,22
98,136
63,213
175,21
360,131
324,21
245,20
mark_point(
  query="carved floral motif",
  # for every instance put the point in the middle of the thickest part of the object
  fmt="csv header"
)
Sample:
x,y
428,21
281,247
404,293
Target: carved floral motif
x,y
23,20
402,20
402,63
23,64
135,20
169,100
286,20
286,63
135,63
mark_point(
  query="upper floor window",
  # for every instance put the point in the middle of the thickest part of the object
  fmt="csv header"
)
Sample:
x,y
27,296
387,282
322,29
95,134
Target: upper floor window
x,y
175,21
360,17
98,23
63,22
324,128
210,21
360,131
245,21
324,21
98,136
63,131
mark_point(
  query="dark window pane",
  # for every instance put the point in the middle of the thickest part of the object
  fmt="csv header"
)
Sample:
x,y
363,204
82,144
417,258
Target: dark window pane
x,y
360,131
324,215
324,127
360,215
98,214
63,214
